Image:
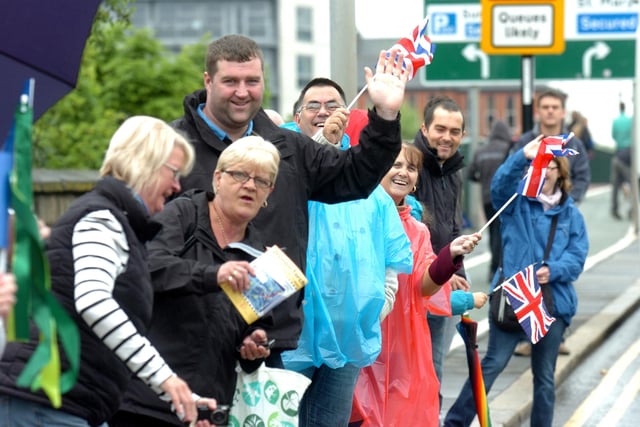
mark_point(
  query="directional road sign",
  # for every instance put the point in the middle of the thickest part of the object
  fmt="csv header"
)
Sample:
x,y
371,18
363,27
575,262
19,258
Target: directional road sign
x,y
599,43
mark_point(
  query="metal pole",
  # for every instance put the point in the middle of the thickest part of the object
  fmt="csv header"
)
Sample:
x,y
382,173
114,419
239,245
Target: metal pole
x,y
344,41
474,199
527,91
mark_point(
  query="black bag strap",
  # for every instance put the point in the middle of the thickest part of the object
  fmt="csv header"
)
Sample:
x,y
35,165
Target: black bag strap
x,y
552,233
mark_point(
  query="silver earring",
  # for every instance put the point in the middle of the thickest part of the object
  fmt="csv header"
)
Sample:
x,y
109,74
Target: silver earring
x,y
265,204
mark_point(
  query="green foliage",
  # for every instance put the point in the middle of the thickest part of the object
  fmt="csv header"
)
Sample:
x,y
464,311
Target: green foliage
x,y
124,72
410,121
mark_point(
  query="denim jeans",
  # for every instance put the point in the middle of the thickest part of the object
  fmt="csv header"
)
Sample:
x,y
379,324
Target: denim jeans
x,y
499,351
16,412
442,331
327,401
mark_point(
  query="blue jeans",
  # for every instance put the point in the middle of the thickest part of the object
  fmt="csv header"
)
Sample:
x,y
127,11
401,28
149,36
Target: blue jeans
x,y
16,412
442,331
327,401
499,351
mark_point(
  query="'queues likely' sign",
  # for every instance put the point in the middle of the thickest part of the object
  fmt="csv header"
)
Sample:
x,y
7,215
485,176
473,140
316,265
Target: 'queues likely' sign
x,y
524,28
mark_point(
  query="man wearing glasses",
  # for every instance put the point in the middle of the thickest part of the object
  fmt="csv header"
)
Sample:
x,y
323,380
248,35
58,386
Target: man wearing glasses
x,y
356,250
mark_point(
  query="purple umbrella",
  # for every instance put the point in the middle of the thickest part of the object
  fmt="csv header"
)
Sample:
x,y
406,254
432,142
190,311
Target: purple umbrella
x,y
43,39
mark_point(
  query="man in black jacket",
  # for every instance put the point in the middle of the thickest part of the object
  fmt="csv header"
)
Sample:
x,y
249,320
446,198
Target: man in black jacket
x,y
439,188
230,107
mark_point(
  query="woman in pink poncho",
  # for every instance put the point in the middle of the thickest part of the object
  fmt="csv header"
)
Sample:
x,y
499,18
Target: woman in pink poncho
x,y
401,387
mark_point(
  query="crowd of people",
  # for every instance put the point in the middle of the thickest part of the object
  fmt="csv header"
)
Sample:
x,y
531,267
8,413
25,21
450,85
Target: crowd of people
x,y
375,223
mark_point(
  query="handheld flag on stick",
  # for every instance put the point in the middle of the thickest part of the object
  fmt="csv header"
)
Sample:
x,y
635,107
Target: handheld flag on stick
x,y
532,183
417,48
31,268
418,51
550,147
468,330
525,296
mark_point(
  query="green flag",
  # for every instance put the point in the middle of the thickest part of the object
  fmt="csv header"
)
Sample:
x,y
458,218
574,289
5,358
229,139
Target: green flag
x,y
31,268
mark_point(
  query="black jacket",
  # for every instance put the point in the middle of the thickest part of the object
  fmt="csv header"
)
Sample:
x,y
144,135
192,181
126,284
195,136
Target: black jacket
x,y
103,377
489,157
195,327
440,189
308,171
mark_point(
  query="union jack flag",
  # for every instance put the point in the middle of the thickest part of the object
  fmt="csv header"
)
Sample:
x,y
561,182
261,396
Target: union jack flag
x,y
525,296
550,147
417,48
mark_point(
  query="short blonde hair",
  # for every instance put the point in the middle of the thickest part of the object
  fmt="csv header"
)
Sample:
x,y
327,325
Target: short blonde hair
x,y
140,147
251,150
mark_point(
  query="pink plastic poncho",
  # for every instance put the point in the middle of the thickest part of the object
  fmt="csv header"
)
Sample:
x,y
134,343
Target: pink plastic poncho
x,y
401,386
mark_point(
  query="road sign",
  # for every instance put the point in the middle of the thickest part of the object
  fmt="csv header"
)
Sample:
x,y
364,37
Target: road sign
x,y
456,64
529,27
599,43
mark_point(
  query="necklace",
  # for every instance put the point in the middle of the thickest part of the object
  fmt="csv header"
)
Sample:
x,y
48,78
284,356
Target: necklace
x,y
224,234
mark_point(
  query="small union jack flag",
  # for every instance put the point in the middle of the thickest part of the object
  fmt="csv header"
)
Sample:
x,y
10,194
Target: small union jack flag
x,y
417,48
550,147
525,296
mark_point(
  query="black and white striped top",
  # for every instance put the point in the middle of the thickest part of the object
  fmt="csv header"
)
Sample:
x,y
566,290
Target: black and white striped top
x,y
100,255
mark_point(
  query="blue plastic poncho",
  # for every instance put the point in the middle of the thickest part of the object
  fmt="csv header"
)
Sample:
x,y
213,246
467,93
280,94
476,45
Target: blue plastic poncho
x,y
350,246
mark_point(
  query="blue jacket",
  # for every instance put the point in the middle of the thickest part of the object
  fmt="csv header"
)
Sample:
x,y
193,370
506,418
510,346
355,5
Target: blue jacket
x,y
351,244
525,230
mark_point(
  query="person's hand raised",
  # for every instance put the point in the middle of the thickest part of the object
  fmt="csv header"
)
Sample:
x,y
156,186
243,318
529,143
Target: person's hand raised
x,y
531,149
386,87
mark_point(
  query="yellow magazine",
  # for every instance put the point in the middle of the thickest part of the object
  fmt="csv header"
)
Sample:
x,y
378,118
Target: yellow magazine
x,y
276,279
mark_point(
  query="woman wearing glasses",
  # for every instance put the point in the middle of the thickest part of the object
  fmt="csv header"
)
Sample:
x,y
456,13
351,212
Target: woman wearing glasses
x,y
195,326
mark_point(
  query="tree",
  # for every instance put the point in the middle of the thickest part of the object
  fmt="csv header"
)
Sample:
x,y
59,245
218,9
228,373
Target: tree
x,y
410,121
124,72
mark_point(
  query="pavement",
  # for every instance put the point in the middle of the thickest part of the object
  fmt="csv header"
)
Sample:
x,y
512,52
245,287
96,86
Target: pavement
x,y
608,290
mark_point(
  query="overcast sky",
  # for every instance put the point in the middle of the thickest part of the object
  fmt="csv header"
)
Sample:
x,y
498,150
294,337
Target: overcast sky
x,y
388,18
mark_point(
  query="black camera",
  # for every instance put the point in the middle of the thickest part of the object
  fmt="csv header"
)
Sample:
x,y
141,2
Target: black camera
x,y
217,417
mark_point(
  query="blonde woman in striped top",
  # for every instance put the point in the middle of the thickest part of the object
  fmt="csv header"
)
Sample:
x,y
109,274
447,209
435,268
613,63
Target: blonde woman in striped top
x,y
100,275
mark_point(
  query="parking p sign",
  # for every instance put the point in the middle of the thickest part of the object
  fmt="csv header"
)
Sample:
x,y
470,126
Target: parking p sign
x,y
443,24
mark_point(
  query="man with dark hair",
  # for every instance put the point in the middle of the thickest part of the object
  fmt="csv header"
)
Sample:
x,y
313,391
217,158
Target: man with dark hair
x,y
356,250
439,188
315,117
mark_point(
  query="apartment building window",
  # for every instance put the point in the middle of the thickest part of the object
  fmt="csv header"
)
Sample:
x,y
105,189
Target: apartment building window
x,y
491,110
511,112
257,16
304,23
305,69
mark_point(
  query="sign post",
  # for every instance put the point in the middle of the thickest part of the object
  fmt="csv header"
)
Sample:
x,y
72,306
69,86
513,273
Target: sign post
x,y
527,28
